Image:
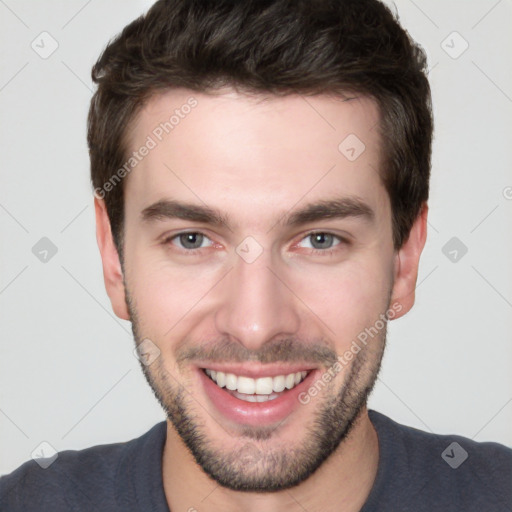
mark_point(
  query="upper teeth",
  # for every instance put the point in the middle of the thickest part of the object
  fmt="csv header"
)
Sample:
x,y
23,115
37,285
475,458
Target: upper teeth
x,y
260,386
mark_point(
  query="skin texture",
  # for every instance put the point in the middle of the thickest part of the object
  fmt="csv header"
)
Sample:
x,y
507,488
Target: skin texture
x,y
256,160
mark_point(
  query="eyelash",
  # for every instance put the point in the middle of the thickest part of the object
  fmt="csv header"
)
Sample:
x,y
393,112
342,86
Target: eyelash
x,y
319,252
324,252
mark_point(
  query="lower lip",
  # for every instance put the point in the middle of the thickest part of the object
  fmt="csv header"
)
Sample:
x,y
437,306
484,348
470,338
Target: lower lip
x,y
254,413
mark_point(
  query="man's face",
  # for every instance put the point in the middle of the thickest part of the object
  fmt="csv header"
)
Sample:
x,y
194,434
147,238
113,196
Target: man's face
x,y
264,298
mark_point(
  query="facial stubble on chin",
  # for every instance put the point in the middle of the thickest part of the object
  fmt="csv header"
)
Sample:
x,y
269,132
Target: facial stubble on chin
x,y
252,466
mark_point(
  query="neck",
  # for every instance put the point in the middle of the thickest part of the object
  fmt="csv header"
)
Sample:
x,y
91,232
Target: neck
x,y
342,482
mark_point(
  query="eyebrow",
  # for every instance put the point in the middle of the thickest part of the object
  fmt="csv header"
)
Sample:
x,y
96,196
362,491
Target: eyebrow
x,y
339,208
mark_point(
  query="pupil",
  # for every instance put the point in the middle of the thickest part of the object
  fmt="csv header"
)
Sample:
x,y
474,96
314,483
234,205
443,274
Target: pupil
x,y
322,240
191,240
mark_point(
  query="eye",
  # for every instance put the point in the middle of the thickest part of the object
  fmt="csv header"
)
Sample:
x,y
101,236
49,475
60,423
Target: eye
x,y
321,242
189,241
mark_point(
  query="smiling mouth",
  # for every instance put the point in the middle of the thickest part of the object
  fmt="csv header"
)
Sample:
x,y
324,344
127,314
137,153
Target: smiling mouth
x,y
261,389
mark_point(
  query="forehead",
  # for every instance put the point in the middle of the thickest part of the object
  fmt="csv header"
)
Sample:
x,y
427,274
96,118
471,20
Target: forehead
x,y
254,155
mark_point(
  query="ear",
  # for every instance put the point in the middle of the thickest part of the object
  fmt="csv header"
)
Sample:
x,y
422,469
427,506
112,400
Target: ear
x,y
406,264
112,272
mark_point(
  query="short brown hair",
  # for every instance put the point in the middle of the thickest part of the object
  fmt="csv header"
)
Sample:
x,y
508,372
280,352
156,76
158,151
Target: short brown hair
x,y
275,47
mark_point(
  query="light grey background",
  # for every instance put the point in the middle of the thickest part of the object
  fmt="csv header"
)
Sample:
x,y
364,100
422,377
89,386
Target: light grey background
x,y
68,373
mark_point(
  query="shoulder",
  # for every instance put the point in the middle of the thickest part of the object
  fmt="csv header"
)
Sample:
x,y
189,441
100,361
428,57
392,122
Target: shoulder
x,y
55,485
450,472
75,480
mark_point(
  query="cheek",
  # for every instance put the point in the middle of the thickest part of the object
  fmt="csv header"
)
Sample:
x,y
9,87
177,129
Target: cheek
x,y
171,299
338,300
346,299
161,295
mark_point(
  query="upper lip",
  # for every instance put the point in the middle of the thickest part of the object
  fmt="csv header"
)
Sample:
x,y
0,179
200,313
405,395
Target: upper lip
x,y
257,370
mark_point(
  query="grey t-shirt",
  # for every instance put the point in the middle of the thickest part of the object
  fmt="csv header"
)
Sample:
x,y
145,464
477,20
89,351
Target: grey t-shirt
x,y
417,472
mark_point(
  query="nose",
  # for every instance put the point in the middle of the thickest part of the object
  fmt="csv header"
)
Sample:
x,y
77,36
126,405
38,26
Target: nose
x,y
256,304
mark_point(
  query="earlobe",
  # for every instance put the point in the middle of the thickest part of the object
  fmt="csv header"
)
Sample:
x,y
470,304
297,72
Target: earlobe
x,y
112,271
406,264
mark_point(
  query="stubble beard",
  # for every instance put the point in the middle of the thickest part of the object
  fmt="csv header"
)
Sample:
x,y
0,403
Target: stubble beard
x,y
257,464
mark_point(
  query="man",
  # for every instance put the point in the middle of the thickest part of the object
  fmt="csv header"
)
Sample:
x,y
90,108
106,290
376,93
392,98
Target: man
x,y
261,177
